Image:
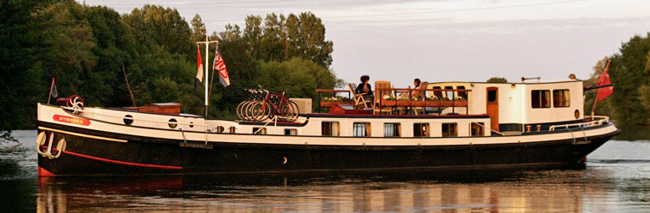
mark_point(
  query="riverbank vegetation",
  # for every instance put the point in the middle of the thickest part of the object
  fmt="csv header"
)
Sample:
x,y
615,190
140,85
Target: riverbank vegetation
x,y
630,73
90,49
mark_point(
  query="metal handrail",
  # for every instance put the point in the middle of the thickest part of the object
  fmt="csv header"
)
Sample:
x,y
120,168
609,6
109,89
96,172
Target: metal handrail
x,y
598,121
481,125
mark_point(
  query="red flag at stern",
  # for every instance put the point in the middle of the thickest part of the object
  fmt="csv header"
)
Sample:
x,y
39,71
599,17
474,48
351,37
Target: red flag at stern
x,y
604,80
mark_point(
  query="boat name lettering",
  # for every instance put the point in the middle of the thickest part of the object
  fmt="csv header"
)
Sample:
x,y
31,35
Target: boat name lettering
x,y
72,120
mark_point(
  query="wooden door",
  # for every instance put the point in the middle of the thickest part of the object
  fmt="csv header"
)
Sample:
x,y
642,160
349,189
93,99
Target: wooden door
x,y
492,96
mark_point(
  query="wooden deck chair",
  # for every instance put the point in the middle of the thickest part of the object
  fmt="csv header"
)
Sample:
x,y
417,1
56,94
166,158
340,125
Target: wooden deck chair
x,y
421,96
358,98
379,97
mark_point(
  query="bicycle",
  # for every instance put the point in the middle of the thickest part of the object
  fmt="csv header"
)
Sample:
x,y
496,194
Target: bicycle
x,y
275,105
243,109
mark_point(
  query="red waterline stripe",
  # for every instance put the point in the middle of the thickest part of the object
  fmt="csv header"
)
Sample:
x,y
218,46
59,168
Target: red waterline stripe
x,y
121,162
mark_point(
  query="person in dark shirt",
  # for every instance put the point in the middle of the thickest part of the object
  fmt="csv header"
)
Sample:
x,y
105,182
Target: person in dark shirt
x,y
365,88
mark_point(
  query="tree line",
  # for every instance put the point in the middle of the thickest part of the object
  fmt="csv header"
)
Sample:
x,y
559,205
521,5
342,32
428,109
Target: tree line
x,y
629,71
90,49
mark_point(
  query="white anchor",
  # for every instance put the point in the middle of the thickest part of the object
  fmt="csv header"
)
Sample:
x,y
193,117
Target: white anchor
x,y
40,141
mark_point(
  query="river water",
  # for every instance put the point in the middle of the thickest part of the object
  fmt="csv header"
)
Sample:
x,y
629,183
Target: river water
x,y
616,179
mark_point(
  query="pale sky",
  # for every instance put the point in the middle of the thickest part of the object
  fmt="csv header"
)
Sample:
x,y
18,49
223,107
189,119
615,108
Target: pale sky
x,y
446,40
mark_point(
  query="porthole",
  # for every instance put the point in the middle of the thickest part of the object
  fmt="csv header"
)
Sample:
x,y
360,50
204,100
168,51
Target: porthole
x,y
577,114
172,123
191,124
128,120
220,129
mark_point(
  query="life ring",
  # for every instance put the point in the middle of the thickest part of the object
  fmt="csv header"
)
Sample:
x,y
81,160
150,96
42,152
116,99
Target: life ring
x,y
76,103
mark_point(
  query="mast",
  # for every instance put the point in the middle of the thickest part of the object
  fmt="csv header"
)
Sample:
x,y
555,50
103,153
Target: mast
x,y
207,43
207,62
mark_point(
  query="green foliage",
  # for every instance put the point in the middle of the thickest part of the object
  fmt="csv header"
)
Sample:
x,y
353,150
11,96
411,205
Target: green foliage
x,y
155,25
644,97
298,77
629,71
198,29
21,79
280,38
90,49
497,80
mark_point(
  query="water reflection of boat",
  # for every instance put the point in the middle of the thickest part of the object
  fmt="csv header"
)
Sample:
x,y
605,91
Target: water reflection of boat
x,y
278,193
518,125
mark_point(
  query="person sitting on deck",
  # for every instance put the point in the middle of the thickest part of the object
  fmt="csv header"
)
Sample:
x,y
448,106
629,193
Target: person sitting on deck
x,y
415,92
416,83
364,88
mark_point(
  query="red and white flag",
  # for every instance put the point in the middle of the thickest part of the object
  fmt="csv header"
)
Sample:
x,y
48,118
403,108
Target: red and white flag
x,y
220,65
604,80
199,73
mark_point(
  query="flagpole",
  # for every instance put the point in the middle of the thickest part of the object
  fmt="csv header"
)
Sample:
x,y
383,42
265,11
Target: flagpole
x,y
207,47
51,87
593,109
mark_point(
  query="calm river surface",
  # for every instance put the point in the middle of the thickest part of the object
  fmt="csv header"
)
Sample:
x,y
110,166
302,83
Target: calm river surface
x,y
617,179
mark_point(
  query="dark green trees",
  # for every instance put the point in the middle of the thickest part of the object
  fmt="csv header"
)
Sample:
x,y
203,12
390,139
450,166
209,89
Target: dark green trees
x,y
630,72
88,49
497,80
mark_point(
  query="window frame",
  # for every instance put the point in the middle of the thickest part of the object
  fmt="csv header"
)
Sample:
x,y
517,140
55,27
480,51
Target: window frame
x,y
291,131
494,98
366,129
261,132
446,134
541,99
450,93
481,125
333,125
396,130
418,127
462,94
566,99
437,93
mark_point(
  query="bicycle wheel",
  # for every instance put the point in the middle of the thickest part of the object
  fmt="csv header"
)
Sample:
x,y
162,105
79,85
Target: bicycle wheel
x,y
248,110
260,112
240,110
294,112
283,112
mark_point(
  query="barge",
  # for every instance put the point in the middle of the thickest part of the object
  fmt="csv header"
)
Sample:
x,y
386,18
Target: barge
x,y
452,126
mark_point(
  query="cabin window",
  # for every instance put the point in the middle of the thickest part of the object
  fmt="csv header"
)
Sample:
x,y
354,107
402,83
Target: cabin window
x,y
437,92
449,129
128,120
421,130
259,131
561,98
462,94
492,96
477,129
290,131
541,98
361,129
392,130
330,128
172,123
450,94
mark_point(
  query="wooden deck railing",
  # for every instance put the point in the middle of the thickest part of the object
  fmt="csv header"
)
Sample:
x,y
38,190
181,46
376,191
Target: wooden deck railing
x,y
421,101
